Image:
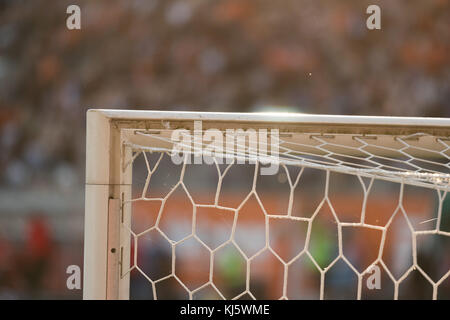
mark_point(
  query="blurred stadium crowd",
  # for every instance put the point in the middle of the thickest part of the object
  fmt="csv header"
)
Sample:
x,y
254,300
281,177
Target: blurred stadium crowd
x,y
228,55
314,56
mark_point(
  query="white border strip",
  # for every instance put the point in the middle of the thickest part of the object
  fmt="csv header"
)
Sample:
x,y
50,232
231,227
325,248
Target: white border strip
x,y
283,117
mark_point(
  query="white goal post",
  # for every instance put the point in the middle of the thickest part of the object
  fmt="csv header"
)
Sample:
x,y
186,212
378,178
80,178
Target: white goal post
x,y
400,150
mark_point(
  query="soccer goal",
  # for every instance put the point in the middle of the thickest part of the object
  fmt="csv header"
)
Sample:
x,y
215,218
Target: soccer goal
x,y
197,205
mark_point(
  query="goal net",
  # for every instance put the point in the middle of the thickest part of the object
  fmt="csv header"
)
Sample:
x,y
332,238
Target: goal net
x,y
266,206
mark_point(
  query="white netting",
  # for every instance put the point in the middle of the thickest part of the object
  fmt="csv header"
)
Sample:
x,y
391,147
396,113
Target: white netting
x,y
294,234
418,158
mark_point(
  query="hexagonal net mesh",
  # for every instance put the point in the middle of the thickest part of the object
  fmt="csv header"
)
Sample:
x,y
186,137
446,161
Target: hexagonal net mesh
x,y
345,216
